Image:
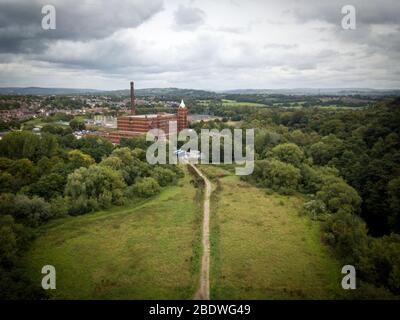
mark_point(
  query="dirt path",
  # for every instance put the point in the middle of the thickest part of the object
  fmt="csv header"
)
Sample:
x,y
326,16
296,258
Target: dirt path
x,y
203,293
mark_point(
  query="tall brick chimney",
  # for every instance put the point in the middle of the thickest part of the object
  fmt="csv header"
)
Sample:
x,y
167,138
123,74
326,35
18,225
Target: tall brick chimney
x,y
133,99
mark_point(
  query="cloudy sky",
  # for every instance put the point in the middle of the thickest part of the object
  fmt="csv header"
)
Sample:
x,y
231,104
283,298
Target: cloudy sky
x,y
201,44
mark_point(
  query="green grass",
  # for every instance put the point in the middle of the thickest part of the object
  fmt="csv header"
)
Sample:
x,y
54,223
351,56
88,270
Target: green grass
x,y
234,103
40,121
262,248
150,250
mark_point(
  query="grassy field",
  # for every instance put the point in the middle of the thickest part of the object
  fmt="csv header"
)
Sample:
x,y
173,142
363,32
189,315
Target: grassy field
x,y
40,121
146,251
234,103
261,248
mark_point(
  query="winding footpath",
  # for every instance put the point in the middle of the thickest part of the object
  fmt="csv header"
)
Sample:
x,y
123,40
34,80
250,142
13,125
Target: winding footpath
x,y
203,293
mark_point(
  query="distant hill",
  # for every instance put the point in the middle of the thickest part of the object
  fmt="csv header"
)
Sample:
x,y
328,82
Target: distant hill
x,y
45,91
200,94
316,91
167,92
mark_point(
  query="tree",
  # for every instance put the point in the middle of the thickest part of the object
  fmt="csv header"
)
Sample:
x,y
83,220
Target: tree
x,y
289,153
146,187
6,182
394,203
315,208
98,183
380,263
325,150
78,159
278,175
127,162
68,141
96,147
5,163
56,129
14,240
265,139
23,144
314,177
163,176
31,211
23,173
48,186
135,142
77,125
338,195
347,234
8,242
334,126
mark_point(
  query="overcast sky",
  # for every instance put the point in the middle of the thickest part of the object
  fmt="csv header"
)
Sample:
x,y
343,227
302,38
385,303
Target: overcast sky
x,y
201,44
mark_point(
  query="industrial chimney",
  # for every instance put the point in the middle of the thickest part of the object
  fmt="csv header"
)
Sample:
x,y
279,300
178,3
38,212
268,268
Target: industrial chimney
x,y
133,99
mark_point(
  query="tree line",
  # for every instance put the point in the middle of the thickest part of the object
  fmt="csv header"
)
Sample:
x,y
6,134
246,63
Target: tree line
x,y
54,175
346,164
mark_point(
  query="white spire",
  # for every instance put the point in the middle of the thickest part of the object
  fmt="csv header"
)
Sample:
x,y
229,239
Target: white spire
x,y
182,105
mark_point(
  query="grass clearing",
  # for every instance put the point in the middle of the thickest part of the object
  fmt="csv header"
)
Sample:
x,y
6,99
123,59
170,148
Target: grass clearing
x,y
261,248
234,103
150,250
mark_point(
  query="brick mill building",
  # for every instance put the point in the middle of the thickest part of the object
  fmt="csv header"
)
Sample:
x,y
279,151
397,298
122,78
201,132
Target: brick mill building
x,y
133,125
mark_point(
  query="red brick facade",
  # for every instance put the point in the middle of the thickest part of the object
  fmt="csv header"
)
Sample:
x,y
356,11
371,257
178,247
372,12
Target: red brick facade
x,y
134,125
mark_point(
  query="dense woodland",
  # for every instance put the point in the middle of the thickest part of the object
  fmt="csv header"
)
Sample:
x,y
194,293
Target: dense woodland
x,y
344,162
52,175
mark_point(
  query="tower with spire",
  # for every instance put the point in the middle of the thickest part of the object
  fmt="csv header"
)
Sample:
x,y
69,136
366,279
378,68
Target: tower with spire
x,y
182,116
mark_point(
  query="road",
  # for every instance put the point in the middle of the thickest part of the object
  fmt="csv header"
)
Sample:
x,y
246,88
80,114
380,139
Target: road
x,y
203,293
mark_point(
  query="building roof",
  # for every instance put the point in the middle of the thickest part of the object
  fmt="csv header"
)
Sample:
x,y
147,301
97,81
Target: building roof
x,y
182,105
149,115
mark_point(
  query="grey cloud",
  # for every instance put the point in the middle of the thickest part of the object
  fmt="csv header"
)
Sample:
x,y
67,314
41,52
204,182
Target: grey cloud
x,y
20,21
91,42
368,12
281,46
371,13
188,18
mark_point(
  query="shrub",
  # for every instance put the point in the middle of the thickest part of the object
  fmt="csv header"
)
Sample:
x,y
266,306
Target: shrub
x,y
313,178
81,205
315,208
48,186
59,207
347,234
31,211
163,176
338,195
277,175
146,188
14,240
380,264
394,203
97,183
289,153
